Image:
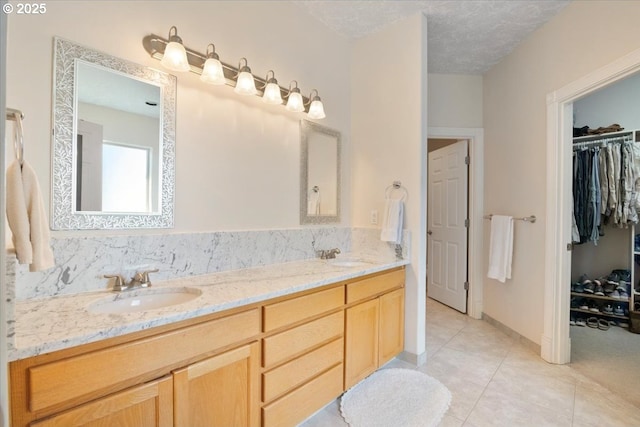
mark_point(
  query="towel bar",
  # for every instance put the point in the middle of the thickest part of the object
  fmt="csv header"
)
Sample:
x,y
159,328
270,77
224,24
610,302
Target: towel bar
x,y
530,218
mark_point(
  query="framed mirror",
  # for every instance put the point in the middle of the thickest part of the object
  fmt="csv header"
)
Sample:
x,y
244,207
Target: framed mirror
x,y
113,164
319,174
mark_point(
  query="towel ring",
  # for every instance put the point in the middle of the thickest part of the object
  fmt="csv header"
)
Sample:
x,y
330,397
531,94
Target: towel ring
x,y
397,185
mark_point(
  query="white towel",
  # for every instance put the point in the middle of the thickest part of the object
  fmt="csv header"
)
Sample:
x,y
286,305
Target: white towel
x,y
392,222
313,204
501,248
27,218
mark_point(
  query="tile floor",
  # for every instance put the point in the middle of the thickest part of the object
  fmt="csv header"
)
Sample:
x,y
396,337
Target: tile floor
x,y
495,381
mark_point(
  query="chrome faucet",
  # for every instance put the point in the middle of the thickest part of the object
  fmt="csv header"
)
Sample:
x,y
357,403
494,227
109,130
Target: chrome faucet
x,y
329,253
139,280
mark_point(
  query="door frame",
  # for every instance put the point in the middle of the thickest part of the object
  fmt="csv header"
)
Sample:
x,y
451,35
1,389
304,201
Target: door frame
x,y
556,342
475,258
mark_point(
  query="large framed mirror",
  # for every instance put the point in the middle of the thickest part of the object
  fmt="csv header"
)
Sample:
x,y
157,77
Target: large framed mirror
x,y
113,164
319,174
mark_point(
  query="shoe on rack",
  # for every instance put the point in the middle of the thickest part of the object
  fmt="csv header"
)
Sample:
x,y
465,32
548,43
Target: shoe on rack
x,y
598,290
607,309
572,321
603,325
579,287
580,321
615,294
593,306
574,302
589,287
618,310
583,305
592,322
623,274
623,294
607,286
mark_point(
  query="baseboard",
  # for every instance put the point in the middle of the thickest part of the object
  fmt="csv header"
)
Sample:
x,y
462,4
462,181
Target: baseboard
x,y
412,358
513,334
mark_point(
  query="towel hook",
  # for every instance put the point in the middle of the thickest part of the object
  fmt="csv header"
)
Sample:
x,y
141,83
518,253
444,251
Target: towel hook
x,y
18,137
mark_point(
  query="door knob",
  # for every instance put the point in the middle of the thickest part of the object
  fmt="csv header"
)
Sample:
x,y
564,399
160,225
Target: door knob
x,y
429,232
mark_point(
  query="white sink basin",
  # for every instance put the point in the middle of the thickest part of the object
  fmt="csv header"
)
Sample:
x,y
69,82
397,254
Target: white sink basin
x,y
347,262
143,300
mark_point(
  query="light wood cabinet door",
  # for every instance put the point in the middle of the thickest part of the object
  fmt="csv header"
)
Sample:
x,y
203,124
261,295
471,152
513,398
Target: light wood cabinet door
x,y
147,405
221,391
361,335
391,324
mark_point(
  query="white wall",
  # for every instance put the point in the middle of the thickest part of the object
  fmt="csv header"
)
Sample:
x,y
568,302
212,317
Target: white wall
x,y
389,144
4,377
617,103
237,159
455,100
567,48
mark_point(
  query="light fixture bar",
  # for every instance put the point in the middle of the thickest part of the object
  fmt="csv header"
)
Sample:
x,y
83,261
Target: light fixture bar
x,y
155,46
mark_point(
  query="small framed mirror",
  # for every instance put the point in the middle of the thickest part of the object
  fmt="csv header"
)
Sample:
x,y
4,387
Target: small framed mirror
x,y
319,174
113,144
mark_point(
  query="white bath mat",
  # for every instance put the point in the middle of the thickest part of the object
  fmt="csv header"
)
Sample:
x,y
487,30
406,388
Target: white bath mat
x,y
396,397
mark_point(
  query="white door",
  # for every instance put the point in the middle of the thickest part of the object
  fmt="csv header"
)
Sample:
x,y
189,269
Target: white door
x,y
447,228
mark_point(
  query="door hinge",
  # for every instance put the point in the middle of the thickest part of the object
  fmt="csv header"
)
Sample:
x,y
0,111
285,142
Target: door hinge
x,y
467,160
466,223
569,247
466,286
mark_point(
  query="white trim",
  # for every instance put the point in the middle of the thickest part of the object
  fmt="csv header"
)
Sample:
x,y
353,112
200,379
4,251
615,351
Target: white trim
x,y
476,207
556,343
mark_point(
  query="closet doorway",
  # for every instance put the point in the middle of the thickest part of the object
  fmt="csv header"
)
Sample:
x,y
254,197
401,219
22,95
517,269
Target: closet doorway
x,y
556,342
473,255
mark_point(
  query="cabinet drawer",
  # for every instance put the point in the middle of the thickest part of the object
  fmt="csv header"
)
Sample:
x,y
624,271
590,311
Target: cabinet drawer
x,y
296,406
375,285
74,380
290,343
300,370
300,308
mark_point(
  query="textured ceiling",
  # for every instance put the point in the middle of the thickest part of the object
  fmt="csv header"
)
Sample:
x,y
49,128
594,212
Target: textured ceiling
x,y
464,36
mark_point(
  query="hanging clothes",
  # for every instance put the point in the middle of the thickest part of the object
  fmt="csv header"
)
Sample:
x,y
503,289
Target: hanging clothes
x,y
606,188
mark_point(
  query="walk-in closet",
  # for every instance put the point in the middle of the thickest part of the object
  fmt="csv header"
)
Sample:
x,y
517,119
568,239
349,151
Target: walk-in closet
x,y
605,260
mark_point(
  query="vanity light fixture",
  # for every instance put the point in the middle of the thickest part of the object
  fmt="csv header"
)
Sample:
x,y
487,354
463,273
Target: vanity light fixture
x,y
272,93
294,98
316,109
245,84
212,71
175,55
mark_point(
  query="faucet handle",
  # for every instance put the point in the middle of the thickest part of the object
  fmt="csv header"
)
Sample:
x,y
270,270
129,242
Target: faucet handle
x,y
119,282
144,277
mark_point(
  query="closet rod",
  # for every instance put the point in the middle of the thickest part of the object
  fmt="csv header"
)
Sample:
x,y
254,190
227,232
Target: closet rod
x,y
603,141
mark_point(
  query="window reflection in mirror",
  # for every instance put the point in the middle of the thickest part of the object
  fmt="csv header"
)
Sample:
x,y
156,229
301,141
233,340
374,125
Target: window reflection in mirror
x,y
118,142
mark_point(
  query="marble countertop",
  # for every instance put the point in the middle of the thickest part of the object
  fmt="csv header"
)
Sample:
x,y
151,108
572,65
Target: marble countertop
x,y
51,324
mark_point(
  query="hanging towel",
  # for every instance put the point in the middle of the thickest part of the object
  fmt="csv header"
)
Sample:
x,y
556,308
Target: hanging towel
x,y
313,204
392,221
501,248
27,218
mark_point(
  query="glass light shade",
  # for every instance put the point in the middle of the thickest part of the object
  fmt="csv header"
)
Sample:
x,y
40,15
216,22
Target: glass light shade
x,y
175,57
316,109
295,102
212,72
272,94
245,84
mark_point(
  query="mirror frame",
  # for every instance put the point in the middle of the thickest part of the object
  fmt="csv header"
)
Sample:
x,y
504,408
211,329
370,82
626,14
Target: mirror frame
x,y
63,213
306,129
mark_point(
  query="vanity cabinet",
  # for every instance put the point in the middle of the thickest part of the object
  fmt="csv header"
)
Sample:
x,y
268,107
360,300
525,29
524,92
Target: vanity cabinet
x,y
106,382
302,356
268,364
374,331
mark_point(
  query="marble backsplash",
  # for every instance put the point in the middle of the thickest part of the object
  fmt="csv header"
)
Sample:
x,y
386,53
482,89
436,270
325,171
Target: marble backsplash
x,y
81,262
